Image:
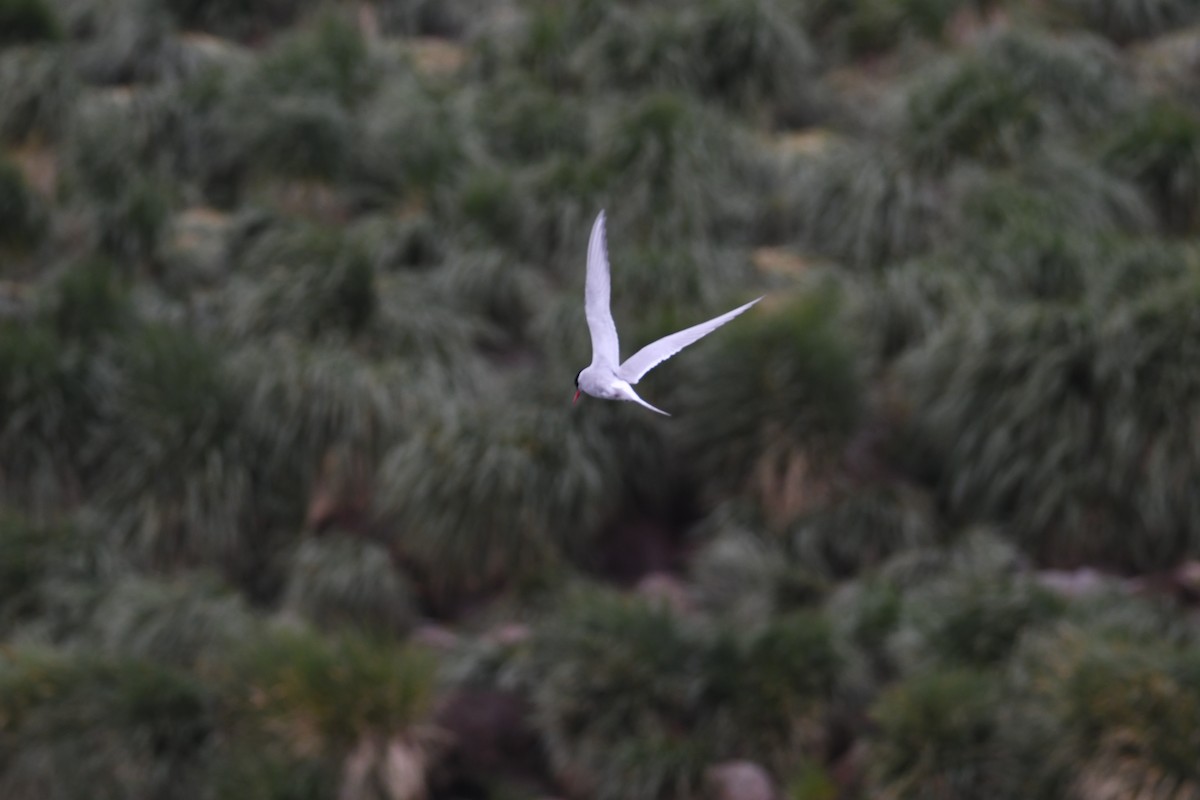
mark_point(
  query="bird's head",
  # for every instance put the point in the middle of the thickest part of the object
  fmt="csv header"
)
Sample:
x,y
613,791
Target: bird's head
x,y
576,400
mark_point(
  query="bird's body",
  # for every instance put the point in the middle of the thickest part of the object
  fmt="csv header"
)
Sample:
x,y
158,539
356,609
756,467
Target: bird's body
x,y
603,383
607,377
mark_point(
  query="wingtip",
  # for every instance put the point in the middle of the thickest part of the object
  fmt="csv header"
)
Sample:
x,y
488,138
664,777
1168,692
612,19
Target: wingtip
x,y
747,306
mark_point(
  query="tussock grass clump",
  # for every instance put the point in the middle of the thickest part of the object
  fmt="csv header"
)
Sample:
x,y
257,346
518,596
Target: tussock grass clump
x,y
302,137
969,605
452,19
479,498
736,572
77,724
1029,260
174,472
89,303
1160,150
898,309
777,398
680,170
752,54
301,402
663,289
854,533
1025,258
237,19
204,131
526,122
132,229
21,216
504,296
1052,191
23,21
119,42
37,89
1022,392
307,280
1065,425
1142,267
109,143
255,767
1126,20
317,419
414,140
328,57
1016,88
1081,74
770,688
413,242
940,732
749,56
1121,703
50,397
28,551
117,169
216,117
339,582
865,205
973,110
330,694
412,326
846,30
327,285
57,569
544,44
973,618
183,623
607,666
745,55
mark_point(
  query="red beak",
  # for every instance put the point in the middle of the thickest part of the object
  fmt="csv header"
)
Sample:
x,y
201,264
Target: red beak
x,y
576,400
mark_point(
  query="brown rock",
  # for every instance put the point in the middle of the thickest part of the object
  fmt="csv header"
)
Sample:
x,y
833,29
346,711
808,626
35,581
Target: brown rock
x,y
402,773
196,243
340,496
488,730
435,637
395,767
435,56
508,633
739,780
1188,577
664,588
635,547
1073,583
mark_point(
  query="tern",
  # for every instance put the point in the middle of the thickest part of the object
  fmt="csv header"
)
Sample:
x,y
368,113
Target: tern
x,y
606,377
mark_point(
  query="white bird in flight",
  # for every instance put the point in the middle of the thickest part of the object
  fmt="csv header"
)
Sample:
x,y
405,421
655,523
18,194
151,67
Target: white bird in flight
x,y
606,377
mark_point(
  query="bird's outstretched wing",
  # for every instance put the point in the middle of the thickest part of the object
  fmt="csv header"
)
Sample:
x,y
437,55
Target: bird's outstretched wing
x,y
605,345
657,352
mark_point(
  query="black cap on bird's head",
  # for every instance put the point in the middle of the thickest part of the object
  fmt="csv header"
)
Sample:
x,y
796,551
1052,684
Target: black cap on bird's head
x,y
576,400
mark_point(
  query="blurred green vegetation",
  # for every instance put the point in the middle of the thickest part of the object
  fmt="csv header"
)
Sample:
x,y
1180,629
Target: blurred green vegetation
x,y
294,504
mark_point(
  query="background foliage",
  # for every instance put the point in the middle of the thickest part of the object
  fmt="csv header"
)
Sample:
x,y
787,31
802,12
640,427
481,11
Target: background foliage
x,y
293,503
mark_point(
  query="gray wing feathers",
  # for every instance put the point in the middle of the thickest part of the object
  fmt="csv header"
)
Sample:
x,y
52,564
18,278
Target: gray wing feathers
x,y
605,347
657,352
